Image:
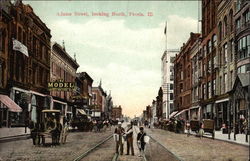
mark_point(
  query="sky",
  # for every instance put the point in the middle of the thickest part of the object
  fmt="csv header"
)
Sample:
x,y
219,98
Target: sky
x,y
122,51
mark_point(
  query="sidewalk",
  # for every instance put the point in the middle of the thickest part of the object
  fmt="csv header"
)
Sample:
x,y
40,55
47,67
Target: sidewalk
x,y
13,131
199,149
240,138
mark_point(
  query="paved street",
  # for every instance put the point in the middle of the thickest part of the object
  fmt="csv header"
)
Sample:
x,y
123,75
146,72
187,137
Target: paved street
x,y
185,148
77,143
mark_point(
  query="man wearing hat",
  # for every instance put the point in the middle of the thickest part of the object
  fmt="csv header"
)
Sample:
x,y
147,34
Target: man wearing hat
x,y
119,143
129,136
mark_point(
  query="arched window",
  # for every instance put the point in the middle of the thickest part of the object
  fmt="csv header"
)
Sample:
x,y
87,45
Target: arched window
x,y
225,26
214,39
231,20
220,31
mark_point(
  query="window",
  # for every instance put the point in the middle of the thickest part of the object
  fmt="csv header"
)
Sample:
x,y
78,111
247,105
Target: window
x,y
204,69
238,23
171,86
225,82
231,20
2,40
232,50
243,47
248,43
204,51
204,91
225,26
209,89
220,31
225,53
209,68
214,41
214,87
244,69
172,59
1,74
209,47
232,79
221,85
171,96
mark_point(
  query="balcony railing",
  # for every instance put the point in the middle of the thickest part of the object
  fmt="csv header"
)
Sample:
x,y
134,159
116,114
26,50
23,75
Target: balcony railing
x,y
243,27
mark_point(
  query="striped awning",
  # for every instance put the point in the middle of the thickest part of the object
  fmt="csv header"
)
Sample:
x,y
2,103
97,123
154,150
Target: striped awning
x,y
12,106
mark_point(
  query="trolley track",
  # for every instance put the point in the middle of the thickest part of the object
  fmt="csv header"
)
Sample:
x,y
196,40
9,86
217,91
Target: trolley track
x,y
102,150
155,151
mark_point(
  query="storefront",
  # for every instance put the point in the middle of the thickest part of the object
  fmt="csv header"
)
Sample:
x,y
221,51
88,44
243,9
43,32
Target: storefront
x,y
8,109
239,101
22,98
221,113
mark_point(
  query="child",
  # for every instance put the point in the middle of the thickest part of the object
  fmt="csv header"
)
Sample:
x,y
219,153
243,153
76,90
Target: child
x,y
140,141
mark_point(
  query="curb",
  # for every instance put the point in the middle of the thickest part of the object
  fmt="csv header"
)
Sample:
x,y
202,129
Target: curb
x,y
228,141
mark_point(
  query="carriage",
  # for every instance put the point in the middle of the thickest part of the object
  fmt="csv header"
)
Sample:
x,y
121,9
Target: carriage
x,y
49,127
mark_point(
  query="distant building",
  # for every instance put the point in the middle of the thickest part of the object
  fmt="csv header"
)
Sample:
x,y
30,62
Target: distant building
x,y
167,70
98,101
117,113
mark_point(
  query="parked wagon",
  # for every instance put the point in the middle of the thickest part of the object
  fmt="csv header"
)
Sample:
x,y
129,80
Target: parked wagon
x,y
50,126
208,127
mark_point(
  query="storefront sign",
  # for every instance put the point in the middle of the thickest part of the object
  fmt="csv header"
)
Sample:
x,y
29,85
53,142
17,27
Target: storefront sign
x,y
61,86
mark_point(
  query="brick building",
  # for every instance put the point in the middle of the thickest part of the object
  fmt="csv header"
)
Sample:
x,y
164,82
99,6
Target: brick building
x,y
83,96
116,112
183,77
209,53
26,42
63,68
98,101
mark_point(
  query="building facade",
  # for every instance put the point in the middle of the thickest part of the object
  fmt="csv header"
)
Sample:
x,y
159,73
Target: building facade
x,y
63,69
183,78
239,109
98,101
209,57
167,70
224,64
26,40
117,113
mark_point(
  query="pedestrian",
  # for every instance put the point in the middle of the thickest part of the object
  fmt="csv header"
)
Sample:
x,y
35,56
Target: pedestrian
x,y
129,137
140,141
119,131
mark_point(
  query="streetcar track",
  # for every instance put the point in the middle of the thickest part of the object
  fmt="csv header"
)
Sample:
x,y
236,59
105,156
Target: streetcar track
x,y
89,151
165,148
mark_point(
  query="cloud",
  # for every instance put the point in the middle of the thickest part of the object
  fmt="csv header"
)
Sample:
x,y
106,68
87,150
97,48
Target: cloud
x,y
127,60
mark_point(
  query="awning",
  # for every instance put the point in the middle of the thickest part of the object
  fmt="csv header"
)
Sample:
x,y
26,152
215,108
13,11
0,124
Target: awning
x,y
194,107
172,114
181,112
13,107
223,100
81,111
